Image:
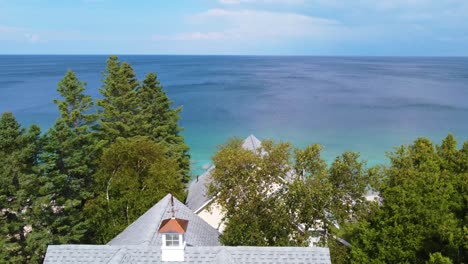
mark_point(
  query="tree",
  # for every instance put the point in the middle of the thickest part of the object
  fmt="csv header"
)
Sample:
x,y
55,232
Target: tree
x,y
68,161
418,216
129,109
118,105
248,187
299,193
18,159
159,121
134,174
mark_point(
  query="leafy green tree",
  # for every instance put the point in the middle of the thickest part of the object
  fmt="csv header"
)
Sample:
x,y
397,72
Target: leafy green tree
x,y
133,175
18,162
249,189
438,258
299,193
420,212
157,120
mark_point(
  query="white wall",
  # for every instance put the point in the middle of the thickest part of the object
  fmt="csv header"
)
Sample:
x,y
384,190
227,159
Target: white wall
x,y
213,216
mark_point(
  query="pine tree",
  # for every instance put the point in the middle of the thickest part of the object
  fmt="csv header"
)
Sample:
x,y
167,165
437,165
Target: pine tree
x,y
423,208
18,178
68,162
157,120
118,105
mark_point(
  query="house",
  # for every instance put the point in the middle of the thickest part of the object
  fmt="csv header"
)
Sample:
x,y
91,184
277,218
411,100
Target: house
x,y
206,207
170,232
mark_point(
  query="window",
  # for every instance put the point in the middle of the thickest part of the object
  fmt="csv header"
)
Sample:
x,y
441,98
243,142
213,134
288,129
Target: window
x,y
172,240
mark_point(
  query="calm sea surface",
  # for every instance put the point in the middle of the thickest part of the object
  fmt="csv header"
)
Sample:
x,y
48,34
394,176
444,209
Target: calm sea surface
x,y
362,104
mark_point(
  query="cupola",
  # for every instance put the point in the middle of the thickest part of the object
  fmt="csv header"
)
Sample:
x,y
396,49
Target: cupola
x,y
172,232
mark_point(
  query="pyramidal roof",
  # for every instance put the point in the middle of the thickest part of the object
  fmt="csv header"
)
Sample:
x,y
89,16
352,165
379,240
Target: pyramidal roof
x,y
252,143
141,243
196,198
173,225
144,231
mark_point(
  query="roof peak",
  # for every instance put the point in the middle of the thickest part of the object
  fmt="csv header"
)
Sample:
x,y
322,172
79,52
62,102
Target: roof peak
x,y
252,143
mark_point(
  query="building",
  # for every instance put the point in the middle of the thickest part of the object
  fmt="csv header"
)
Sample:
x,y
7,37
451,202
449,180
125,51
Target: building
x,y
206,207
170,232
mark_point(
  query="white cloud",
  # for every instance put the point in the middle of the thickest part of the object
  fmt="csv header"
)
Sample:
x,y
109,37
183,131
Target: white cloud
x,y
255,25
33,38
191,36
8,29
9,33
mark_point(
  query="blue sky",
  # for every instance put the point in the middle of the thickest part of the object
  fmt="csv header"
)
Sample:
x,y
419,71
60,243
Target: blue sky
x,y
263,27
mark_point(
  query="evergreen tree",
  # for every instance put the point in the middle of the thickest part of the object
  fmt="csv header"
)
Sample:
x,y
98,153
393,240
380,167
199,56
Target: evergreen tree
x,y
157,120
18,178
118,105
68,161
129,109
422,208
133,175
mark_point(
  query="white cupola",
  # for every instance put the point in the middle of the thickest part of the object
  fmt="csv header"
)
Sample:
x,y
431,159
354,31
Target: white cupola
x,y
172,232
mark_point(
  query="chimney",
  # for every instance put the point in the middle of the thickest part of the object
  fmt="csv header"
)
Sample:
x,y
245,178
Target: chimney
x,y
172,232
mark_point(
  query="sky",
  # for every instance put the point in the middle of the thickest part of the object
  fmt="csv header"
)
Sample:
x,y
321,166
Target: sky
x,y
235,27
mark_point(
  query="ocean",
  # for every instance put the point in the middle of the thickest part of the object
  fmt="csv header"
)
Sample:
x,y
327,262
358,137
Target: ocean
x,y
363,104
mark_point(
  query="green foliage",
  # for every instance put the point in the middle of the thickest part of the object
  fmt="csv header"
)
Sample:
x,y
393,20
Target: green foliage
x,y
133,175
157,120
46,181
438,258
129,109
18,163
119,102
423,207
298,192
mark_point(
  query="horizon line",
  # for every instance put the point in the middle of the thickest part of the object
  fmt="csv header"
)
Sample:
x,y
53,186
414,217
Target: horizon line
x,y
234,55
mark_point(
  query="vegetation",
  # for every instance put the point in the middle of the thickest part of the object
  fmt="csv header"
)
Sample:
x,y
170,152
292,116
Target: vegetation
x,y
18,178
420,216
105,162
133,175
111,161
423,210
302,195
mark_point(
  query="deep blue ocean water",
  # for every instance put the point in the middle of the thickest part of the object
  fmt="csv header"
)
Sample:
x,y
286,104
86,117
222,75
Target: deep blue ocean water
x,y
364,104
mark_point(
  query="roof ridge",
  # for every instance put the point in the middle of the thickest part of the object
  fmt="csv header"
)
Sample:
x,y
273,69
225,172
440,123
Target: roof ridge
x,y
160,220
253,143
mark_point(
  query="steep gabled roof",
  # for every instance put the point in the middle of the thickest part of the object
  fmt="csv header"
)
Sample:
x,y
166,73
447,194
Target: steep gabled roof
x,y
197,198
144,231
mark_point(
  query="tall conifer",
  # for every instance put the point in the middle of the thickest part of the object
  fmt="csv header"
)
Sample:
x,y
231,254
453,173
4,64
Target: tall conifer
x,y
68,162
118,105
18,163
159,121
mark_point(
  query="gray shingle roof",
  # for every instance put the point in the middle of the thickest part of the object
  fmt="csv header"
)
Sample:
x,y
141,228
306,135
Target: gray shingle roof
x,y
196,197
198,188
150,254
144,231
252,143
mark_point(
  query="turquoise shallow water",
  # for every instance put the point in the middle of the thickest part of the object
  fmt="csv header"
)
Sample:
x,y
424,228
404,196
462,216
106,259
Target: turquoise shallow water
x,y
363,104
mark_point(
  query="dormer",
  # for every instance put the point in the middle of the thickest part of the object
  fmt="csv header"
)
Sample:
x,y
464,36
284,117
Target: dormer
x,y
172,232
